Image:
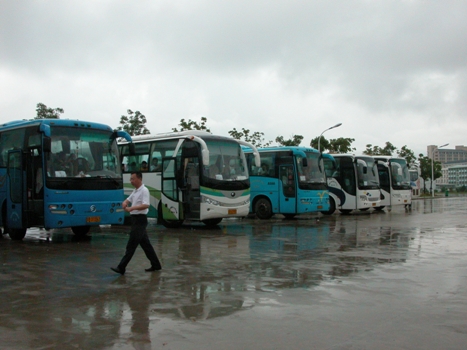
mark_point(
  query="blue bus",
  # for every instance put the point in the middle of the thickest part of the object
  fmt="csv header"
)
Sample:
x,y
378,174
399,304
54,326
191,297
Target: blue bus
x,y
290,181
57,173
353,183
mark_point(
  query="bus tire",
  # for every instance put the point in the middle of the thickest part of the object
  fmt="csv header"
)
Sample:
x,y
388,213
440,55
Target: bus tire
x,y
212,222
379,208
167,223
364,209
345,211
332,207
289,216
17,234
81,231
263,209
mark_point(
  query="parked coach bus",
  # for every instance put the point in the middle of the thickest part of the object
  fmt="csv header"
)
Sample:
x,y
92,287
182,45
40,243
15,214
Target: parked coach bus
x,y
353,183
394,180
58,173
415,180
290,181
191,175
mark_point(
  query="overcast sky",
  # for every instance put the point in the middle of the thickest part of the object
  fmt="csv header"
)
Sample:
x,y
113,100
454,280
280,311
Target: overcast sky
x,y
387,70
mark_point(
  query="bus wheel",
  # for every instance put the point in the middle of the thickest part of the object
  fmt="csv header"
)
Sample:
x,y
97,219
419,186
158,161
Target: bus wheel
x,y
379,208
345,211
17,234
212,222
289,216
81,231
263,209
364,209
332,207
167,223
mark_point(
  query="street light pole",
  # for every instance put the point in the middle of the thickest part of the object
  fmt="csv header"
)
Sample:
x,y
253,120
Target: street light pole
x,y
432,170
319,139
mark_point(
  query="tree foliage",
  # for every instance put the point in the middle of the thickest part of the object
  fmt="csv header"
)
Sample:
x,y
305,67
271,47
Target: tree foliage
x,y
387,150
44,112
425,169
256,138
134,123
296,140
192,125
340,145
408,154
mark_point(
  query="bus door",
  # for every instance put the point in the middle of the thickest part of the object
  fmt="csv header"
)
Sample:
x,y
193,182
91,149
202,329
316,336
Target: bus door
x,y
385,183
16,198
170,203
191,189
288,194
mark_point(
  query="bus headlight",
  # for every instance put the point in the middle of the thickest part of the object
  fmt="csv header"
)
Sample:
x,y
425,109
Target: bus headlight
x,y
210,201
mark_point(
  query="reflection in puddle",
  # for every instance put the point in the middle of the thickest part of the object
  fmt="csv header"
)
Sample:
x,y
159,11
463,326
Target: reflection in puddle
x,y
52,279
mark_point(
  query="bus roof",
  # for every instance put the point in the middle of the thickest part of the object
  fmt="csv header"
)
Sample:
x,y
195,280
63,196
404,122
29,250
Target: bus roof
x,y
387,157
53,122
294,149
177,135
337,155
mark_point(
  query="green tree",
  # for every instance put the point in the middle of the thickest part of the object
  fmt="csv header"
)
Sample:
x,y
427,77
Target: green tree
x,y
296,140
408,154
425,170
192,125
340,145
256,138
134,123
44,112
387,150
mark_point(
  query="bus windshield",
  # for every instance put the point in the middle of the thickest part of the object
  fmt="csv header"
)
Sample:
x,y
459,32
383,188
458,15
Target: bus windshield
x,y
226,161
82,152
312,173
400,174
367,173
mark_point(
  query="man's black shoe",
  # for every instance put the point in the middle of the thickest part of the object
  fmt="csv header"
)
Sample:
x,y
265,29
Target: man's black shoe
x,y
152,268
117,270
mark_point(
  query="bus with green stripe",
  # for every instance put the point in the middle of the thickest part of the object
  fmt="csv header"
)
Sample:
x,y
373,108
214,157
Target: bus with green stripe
x,y
191,175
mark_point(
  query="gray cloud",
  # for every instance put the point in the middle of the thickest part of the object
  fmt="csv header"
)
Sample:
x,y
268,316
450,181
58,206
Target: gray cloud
x,y
390,71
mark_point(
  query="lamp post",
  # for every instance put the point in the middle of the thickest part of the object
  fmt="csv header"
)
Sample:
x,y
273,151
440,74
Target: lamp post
x,y
319,139
432,170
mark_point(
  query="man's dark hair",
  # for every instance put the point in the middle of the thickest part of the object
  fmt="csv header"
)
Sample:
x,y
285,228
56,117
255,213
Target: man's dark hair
x,y
138,174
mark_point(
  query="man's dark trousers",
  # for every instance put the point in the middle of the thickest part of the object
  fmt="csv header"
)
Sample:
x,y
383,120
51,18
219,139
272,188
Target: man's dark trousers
x,y
139,236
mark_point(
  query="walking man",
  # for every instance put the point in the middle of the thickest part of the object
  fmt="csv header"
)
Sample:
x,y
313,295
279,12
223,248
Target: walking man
x,y
138,209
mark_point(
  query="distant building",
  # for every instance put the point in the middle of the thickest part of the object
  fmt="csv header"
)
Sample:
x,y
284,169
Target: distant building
x,y
446,155
457,175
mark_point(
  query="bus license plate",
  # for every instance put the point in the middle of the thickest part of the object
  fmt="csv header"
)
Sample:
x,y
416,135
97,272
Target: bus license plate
x,y
232,211
93,219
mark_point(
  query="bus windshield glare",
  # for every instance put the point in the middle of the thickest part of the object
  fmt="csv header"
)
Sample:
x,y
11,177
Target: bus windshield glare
x,y
226,161
367,173
400,174
82,153
313,172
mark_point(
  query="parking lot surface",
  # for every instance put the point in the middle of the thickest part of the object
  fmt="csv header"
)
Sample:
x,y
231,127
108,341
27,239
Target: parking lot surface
x,y
390,280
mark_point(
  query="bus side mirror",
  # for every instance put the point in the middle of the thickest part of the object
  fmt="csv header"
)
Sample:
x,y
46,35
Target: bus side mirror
x,y
122,134
47,144
305,162
131,147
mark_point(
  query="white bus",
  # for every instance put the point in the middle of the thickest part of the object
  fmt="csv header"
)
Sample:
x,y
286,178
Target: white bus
x,y
394,180
352,181
191,175
415,180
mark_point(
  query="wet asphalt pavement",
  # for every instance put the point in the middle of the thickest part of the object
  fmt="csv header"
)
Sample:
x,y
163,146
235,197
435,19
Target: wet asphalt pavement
x,y
390,280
